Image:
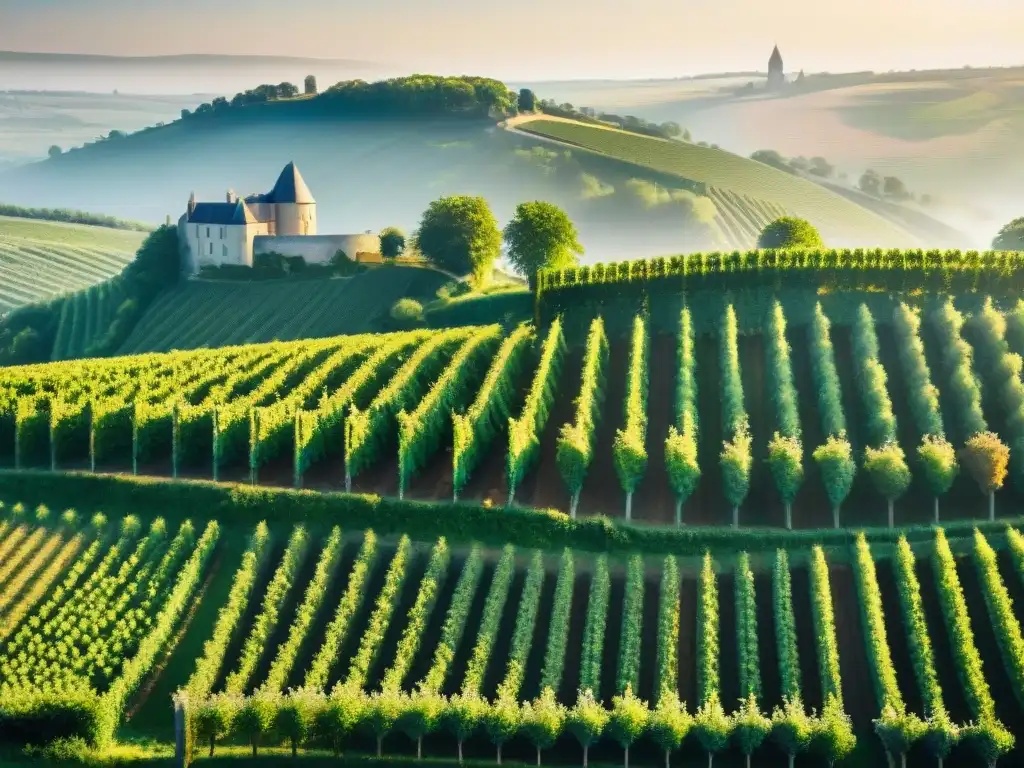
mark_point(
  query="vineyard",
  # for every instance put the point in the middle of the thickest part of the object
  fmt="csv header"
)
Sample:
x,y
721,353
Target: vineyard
x,y
326,638
898,414
839,219
244,313
742,218
42,259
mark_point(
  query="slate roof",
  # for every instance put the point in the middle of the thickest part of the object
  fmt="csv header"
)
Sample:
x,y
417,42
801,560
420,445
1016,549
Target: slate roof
x,y
290,187
776,59
222,214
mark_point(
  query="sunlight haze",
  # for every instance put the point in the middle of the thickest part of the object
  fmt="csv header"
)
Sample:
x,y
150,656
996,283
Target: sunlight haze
x,y
539,39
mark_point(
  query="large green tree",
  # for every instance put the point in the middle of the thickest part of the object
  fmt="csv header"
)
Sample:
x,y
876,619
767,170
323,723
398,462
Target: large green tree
x,y
1010,237
392,242
460,234
790,232
541,235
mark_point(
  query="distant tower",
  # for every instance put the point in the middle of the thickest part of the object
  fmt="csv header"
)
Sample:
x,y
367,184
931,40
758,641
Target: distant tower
x,y
776,76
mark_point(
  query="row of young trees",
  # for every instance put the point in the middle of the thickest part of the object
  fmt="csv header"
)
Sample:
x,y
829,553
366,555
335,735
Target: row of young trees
x,y
418,708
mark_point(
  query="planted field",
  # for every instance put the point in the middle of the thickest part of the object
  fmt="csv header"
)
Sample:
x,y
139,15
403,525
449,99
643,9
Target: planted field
x,y
42,259
400,646
839,219
742,218
215,314
896,415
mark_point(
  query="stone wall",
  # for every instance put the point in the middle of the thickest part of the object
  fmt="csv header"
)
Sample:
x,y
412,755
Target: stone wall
x,y
317,249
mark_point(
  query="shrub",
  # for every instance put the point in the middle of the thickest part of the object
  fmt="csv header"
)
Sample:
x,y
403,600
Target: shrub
x,y
790,232
407,312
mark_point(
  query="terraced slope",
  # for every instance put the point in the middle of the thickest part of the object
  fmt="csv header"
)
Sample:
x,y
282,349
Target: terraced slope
x,y
41,259
210,314
841,221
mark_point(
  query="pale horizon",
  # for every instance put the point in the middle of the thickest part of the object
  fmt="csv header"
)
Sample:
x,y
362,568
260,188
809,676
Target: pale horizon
x,y
539,39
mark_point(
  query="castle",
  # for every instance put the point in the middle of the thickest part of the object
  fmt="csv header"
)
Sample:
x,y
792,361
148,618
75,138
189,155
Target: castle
x,y
280,221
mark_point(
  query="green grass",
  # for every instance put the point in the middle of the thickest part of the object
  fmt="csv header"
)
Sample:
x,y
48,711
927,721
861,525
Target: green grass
x,y
41,259
840,220
212,314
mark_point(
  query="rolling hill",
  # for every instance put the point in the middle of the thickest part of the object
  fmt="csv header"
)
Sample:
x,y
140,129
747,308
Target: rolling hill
x,y
353,161
841,221
42,259
207,313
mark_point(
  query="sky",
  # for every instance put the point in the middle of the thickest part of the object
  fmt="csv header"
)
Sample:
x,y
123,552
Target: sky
x,y
539,39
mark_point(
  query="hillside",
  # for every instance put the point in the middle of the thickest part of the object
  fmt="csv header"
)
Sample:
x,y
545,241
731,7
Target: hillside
x,y
704,168
603,502
624,205
204,313
270,607
42,259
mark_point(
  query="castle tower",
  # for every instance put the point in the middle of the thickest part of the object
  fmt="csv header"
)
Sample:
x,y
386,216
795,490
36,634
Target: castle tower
x,y
295,208
776,75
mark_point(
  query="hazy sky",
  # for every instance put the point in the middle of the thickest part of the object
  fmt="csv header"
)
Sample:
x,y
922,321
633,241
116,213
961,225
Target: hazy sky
x,y
539,38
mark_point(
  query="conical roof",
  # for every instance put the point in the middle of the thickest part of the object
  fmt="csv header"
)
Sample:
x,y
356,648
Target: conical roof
x,y
776,58
290,187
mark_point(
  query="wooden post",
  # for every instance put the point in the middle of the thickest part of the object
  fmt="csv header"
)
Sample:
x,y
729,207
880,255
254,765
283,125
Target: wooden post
x,y
254,445
297,449
216,443
92,436
182,758
135,439
175,434
53,445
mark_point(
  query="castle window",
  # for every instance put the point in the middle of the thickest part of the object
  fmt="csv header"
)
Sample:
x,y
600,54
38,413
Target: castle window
x,y
224,251
211,249
207,231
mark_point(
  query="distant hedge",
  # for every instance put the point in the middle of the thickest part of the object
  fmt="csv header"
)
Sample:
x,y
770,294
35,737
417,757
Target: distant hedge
x,y
995,272
71,216
423,520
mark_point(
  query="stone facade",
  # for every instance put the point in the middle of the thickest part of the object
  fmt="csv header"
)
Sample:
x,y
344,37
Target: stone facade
x,y
317,249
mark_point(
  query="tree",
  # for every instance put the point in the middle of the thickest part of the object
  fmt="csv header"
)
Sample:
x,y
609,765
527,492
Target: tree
x,y
894,188
790,232
938,459
309,85
502,720
821,167
392,242
256,718
461,235
420,716
871,183
886,466
801,164
772,158
1010,237
791,729
628,720
785,460
987,458
587,721
527,100
750,727
712,727
541,235
544,721
381,714
287,91
294,720
669,723
54,151
214,717
463,716
835,462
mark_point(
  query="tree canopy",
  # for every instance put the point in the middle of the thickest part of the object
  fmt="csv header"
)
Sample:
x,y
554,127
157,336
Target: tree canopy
x,y
392,242
460,234
541,235
1010,237
790,232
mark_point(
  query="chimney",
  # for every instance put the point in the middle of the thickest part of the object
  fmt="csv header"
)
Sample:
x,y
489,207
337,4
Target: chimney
x,y
231,197
191,203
